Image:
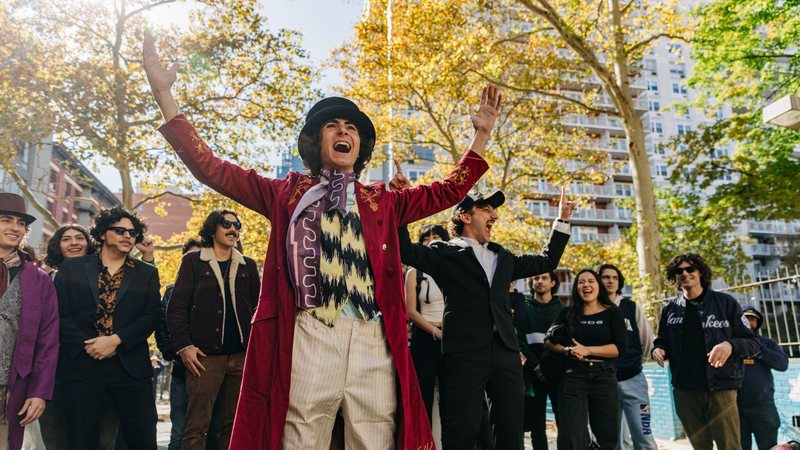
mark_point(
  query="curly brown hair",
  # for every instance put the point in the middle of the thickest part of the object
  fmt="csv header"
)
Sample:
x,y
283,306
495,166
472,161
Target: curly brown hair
x,y
695,261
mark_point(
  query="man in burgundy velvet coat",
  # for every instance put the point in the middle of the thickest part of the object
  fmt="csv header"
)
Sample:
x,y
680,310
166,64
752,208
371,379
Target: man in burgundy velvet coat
x,y
335,144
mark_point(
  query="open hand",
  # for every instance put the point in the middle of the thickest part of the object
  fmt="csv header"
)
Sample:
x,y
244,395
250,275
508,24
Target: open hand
x,y
160,79
659,355
719,354
484,118
33,408
191,360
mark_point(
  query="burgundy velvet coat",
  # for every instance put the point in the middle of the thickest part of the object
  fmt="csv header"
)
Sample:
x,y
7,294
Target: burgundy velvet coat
x,y
33,364
264,398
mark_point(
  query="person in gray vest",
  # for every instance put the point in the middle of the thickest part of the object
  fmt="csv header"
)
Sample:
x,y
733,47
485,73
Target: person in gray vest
x,y
633,397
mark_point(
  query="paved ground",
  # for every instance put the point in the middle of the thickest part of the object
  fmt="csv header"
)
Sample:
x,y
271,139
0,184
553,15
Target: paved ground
x,y
164,426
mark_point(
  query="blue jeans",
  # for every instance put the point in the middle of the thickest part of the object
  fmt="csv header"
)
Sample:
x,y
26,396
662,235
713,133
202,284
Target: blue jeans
x,y
178,402
635,403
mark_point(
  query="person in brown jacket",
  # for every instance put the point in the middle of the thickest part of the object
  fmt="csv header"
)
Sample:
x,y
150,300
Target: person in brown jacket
x,y
208,317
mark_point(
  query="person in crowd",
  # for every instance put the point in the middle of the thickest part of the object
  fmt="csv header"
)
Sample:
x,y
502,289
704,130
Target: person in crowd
x,y
478,340
177,388
535,316
108,307
758,415
209,314
705,337
71,241
425,303
28,327
591,333
301,369
633,396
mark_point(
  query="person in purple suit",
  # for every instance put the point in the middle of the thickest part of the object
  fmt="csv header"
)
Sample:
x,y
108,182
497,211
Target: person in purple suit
x,y
28,327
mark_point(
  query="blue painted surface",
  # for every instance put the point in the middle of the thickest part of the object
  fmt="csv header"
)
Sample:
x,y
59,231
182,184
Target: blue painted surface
x,y
667,426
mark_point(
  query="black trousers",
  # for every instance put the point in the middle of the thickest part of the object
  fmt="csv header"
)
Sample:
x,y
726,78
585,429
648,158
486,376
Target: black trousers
x,y
495,370
427,355
536,409
762,421
588,389
109,382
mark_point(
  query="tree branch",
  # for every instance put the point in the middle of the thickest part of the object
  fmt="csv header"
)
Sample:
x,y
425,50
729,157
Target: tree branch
x,y
146,7
28,194
162,194
645,42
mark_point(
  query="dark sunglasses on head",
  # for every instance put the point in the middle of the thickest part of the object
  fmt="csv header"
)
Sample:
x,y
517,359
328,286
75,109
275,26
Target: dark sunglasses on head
x,y
680,270
228,224
121,231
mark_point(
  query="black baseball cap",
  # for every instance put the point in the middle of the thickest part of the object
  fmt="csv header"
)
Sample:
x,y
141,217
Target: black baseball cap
x,y
496,199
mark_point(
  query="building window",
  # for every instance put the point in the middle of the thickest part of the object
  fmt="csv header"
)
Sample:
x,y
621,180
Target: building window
x,y
652,85
655,106
537,208
679,89
651,66
623,190
52,188
684,129
585,234
51,206
661,170
721,153
414,175
656,127
64,215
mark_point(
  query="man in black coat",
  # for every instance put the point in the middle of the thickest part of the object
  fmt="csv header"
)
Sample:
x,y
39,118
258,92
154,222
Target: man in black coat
x,y
108,306
479,344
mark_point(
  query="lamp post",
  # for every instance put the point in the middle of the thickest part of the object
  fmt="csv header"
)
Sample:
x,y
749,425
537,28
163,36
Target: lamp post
x,y
784,112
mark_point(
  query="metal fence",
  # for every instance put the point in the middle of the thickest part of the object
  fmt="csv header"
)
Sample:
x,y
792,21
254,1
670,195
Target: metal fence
x,y
777,296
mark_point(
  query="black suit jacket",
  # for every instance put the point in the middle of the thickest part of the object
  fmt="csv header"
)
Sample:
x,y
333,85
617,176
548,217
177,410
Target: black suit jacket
x,y
135,316
472,308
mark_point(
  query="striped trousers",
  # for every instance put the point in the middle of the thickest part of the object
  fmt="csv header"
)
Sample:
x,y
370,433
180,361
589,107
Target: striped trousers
x,y
347,367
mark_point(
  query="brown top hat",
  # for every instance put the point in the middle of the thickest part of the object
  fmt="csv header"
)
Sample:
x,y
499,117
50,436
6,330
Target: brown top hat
x,y
14,205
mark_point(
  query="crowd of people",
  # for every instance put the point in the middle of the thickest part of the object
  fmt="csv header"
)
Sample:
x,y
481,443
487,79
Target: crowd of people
x,y
314,352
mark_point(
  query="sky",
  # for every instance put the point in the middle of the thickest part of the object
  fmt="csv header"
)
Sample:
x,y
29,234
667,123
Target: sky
x,y
324,25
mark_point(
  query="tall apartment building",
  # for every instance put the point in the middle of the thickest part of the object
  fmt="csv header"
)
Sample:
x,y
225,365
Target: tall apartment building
x,y
62,184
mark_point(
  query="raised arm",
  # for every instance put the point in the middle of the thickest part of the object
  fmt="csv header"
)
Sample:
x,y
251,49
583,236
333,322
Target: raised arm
x,y
244,186
423,201
160,79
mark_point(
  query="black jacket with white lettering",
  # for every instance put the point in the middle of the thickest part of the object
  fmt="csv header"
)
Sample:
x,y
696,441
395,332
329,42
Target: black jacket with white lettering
x,y
722,320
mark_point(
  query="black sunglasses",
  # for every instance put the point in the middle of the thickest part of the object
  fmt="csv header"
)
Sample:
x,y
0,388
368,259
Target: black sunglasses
x,y
121,231
228,224
680,270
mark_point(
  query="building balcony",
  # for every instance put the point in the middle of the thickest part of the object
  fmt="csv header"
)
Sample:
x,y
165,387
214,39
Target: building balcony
x,y
773,227
584,216
599,124
766,249
600,192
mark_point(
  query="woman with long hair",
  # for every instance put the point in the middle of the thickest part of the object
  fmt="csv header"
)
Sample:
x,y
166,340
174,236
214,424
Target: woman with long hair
x,y
591,334
425,303
69,241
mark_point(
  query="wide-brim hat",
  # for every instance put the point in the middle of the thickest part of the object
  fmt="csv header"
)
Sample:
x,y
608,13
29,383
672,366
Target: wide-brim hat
x,y
751,311
14,205
336,108
496,199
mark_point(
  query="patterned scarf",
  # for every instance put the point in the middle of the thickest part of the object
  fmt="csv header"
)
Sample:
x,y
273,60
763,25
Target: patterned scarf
x,y
11,260
305,233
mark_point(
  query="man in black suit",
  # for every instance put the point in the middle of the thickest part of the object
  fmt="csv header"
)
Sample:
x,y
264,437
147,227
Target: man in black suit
x,y
479,345
108,306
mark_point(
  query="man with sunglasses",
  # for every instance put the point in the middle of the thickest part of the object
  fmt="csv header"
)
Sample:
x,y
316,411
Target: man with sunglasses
x,y
705,336
108,306
215,295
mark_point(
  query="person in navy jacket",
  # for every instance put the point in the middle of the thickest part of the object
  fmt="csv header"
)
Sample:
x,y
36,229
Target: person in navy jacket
x,y
757,413
705,337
